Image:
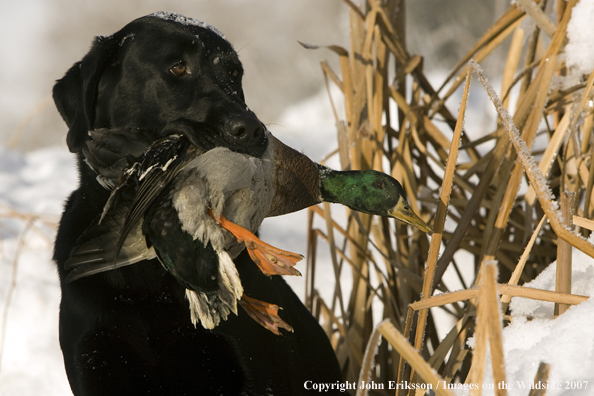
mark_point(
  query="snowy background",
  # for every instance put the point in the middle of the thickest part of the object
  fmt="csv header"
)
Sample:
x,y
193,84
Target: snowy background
x,y
284,87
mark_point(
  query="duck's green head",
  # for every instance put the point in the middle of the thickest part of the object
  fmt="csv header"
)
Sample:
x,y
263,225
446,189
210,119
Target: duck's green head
x,y
369,192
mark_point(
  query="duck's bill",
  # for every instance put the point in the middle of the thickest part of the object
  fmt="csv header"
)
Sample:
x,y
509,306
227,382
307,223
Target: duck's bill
x,y
403,212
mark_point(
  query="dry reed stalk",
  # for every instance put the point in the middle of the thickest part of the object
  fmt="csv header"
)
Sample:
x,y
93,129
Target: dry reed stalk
x,y
407,331
35,220
510,17
480,55
533,102
536,178
584,223
586,97
546,162
510,290
488,332
515,276
415,280
479,358
411,355
541,19
458,353
564,261
335,265
511,64
366,366
446,344
440,217
490,301
542,376
496,227
45,219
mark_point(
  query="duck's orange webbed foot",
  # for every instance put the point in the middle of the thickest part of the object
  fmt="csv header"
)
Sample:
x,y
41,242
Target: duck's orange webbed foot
x,y
270,260
265,314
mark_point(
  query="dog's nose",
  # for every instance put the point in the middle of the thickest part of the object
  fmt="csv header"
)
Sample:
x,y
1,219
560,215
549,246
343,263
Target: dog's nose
x,y
246,129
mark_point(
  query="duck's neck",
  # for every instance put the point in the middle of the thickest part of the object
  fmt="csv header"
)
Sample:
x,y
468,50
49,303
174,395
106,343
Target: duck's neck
x,y
297,180
335,185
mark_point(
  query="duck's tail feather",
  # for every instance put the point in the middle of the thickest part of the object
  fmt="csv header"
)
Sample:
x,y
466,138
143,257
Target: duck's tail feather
x,y
210,309
229,282
97,249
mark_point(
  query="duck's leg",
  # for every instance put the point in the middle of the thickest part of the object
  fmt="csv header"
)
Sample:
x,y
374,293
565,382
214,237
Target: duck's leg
x,y
265,314
270,260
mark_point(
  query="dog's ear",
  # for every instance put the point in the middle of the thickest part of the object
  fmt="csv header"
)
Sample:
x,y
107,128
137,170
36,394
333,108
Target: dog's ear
x,y
75,94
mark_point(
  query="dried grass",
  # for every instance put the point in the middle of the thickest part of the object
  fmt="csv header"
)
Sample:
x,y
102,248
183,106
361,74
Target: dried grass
x,y
390,123
30,222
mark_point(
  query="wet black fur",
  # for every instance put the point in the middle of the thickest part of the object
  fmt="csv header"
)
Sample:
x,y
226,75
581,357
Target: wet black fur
x,y
128,331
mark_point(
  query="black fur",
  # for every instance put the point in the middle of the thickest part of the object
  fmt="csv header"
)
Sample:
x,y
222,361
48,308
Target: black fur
x,y
128,331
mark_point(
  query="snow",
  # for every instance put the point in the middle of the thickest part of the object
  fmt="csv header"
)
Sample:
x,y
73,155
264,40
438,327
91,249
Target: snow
x,y
184,20
581,283
580,30
34,183
566,343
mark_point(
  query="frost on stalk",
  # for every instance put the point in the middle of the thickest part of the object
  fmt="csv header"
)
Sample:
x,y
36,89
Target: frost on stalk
x,y
539,182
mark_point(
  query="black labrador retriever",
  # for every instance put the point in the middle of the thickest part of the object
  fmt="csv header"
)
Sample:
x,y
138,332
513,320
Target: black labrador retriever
x,y
128,331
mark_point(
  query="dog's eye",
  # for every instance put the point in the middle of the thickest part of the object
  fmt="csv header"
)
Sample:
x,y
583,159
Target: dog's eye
x,y
179,69
235,73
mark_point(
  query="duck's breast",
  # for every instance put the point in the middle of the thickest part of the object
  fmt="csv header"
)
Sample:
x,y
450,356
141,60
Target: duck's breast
x,y
237,185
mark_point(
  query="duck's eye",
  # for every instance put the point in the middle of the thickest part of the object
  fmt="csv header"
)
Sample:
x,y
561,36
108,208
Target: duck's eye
x,y
379,184
235,73
179,69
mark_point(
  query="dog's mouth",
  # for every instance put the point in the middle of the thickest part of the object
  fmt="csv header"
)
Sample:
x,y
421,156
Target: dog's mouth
x,y
254,145
245,133
251,140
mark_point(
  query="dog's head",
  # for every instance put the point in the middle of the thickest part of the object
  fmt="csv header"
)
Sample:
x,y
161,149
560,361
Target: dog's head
x,y
160,70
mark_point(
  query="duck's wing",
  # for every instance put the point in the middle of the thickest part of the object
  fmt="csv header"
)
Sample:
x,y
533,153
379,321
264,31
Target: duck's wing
x,y
160,165
110,151
116,238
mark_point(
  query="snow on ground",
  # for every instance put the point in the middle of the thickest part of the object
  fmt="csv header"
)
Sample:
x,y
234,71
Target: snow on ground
x,y
580,48
566,343
31,362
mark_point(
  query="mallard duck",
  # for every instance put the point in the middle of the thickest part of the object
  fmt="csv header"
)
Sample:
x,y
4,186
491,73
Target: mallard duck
x,y
178,201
